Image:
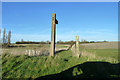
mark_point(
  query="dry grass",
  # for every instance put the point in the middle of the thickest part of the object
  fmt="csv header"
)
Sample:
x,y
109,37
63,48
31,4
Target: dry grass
x,y
33,49
106,45
27,51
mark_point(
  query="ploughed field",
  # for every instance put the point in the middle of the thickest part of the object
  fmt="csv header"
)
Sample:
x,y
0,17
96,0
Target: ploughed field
x,y
96,60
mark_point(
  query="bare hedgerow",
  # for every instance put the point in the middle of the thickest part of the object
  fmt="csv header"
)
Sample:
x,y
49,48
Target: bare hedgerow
x,y
44,52
37,52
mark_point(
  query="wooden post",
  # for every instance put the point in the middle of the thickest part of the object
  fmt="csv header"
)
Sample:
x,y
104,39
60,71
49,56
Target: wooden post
x,y
77,46
52,47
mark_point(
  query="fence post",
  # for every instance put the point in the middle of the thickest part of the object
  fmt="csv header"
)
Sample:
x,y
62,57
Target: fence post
x,y
77,46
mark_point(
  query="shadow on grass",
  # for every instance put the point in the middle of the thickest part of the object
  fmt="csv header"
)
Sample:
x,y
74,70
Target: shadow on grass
x,y
56,52
87,70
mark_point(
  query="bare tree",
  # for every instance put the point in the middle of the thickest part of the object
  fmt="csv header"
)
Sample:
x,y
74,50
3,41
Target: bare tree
x,y
4,36
47,42
0,37
21,40
9,36
0,33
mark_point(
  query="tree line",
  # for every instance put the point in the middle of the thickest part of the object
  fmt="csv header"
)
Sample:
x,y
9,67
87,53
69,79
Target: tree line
x,y
58,42
6,40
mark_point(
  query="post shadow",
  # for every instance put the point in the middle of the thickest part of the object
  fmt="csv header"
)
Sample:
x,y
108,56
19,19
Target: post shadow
x,y
97,70
56,52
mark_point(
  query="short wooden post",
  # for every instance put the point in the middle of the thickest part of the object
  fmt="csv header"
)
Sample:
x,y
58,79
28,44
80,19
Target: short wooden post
x,y
77,46
52,47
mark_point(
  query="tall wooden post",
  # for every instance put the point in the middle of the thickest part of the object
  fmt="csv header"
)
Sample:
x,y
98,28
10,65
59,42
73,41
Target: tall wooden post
x,y
77,46
54,22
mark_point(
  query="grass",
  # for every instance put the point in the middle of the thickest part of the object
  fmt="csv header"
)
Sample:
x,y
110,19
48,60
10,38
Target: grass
x,y
105,45
113,53
34,67
93,62
107,51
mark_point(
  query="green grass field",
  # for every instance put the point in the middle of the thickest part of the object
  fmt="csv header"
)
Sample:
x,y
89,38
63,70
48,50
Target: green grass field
x,y
102,50
92,63
112,53
34,67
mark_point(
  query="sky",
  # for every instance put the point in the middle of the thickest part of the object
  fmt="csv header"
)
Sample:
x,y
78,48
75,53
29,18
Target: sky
x,y
32,21
60,0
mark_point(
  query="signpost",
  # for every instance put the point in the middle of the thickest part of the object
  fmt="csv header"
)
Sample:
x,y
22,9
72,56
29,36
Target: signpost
x,y
54,22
